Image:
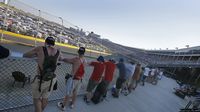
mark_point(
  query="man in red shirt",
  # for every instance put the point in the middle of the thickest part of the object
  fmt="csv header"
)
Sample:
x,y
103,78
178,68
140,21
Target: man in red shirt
x,y
95,77
109,71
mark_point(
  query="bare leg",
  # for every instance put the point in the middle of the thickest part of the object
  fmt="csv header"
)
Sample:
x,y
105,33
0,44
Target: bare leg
x,y
130,88
89,96
66,100
74,96
136,83
37,104
44,103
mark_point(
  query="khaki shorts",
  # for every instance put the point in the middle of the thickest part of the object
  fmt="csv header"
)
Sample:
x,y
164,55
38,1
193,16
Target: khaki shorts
x,y
44,88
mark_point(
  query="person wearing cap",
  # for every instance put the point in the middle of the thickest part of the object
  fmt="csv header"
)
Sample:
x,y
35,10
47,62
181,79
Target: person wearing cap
x,y
40,98
74,79
122,77
109,72
95,77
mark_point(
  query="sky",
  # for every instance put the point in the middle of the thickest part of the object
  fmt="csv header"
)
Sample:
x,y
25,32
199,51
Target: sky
x,y
147,24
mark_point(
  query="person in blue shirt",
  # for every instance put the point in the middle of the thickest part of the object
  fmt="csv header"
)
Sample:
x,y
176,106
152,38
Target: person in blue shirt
x,y
122,77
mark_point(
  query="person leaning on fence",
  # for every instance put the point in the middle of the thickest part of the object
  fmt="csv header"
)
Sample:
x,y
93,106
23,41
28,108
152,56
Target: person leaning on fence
x,y
42,85
74,80
95,77
135,78
109,72
130,68
122,77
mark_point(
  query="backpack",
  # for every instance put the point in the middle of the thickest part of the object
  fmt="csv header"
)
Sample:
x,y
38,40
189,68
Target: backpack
x,y
49,67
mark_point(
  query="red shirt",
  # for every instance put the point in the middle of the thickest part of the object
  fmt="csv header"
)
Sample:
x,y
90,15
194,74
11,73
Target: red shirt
x,y
109,70
98,70
80,72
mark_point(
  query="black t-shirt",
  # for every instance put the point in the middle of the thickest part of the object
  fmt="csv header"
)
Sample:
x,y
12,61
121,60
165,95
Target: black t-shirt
x,y
122,70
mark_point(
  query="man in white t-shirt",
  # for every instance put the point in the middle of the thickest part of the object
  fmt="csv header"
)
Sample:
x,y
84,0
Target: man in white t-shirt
x,y
160,75
145,75
152,74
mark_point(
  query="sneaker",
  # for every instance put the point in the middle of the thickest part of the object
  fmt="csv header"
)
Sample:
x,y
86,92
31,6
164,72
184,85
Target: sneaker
x,y
85,98
87,102
72,106
61,106
115,95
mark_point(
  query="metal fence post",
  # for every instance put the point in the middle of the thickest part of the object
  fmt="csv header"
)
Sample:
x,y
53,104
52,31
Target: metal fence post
x,y
38,24
62,27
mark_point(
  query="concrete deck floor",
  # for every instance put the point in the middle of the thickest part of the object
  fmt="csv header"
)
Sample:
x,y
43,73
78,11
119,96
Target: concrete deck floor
x,y
148,98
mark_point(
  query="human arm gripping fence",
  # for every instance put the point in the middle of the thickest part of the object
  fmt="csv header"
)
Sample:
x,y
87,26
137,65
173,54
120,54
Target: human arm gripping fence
x,y
31,53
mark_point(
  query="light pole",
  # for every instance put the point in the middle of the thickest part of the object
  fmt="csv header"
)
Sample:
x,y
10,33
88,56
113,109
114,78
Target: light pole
x,y
38,26
62,26
78,35
176,60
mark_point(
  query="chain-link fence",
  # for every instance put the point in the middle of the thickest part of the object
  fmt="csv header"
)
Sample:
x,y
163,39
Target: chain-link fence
x,y
13,96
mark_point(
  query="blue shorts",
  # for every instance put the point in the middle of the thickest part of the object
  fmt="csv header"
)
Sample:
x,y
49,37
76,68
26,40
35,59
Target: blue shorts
x,y
72,85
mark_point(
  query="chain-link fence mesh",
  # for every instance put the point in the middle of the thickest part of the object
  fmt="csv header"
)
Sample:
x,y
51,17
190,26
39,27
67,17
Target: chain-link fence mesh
x,y
17,95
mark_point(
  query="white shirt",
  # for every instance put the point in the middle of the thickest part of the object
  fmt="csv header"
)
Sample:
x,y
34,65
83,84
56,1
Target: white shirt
x,y
129,70
153,72
146,71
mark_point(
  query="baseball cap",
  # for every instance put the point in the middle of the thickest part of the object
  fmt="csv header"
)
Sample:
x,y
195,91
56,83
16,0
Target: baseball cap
x,y
50,41
100,58
121,60
81,51
112,60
